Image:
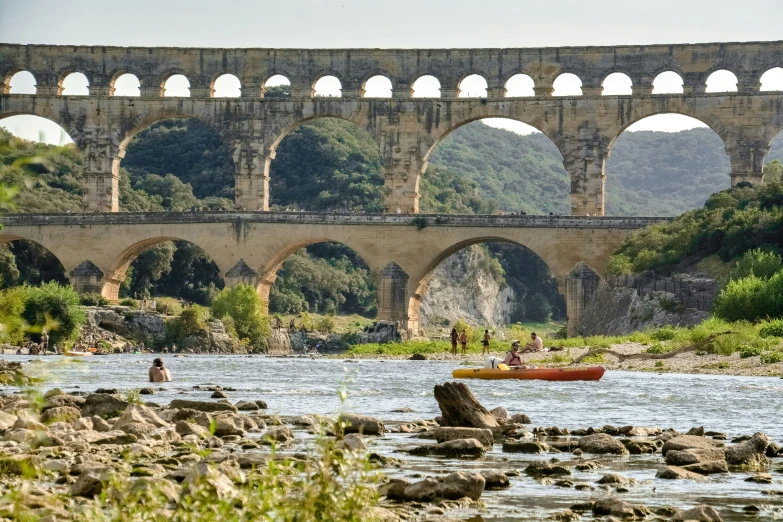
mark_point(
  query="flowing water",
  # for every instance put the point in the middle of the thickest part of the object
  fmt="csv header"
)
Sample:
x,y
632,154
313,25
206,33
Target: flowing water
x,y
292,386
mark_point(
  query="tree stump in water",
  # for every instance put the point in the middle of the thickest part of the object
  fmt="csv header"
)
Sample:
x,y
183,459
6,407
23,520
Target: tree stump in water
x,y
461,409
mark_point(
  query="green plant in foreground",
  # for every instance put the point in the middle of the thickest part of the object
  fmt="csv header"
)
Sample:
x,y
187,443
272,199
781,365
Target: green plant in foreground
x,y
771,357
772,329
134,397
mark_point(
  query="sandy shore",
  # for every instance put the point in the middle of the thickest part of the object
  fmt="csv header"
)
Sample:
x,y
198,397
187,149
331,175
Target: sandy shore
x,y
686,363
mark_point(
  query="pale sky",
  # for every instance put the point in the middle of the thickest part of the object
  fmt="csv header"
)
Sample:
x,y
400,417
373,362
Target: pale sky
x,y
400,23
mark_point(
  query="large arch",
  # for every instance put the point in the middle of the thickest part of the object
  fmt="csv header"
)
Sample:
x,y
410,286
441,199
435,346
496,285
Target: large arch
x,y
43,129
27,262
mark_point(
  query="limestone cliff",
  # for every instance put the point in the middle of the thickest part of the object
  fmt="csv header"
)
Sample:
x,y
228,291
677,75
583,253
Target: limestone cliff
x,y
468,286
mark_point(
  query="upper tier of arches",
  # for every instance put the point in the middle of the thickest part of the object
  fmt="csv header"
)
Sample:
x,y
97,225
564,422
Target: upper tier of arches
x,y
353,68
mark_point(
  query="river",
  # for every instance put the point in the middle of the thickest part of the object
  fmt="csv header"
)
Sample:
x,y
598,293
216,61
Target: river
x,y
291,386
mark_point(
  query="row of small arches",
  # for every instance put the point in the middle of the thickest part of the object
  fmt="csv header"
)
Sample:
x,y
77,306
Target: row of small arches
x,y
472,86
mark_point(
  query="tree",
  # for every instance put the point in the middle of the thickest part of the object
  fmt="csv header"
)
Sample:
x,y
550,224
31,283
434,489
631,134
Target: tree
x,y
55,309
242,304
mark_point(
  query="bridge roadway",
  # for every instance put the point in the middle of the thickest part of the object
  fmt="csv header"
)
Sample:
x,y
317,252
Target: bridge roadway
x,y
401,250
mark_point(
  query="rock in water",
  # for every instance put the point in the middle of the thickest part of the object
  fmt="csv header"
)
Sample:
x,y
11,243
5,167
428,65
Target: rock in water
x,y
461,409
447,434
700,514
202,406
452,487
601,443
102,405
362,424
751,454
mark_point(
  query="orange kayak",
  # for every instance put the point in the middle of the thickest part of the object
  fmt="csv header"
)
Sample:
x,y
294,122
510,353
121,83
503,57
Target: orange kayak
x,y
593,373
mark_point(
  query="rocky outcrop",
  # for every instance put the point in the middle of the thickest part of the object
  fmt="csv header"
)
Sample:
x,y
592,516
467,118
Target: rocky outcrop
x,y
460,288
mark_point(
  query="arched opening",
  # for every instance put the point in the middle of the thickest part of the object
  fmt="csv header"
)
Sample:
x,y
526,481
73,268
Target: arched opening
x,y
520,85
617,84
75,84
668,82
34,129
772,80
327,87
722,81
22,82
176,269
491,284
322,278
426,87
126,85
495,165
327,164
773,166
473,86
177,164
24,262
176,86
226,86
277,87
663,165
567,84
378,87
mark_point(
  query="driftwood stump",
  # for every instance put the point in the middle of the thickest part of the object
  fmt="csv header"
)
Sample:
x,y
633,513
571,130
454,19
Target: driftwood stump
x,y
461,409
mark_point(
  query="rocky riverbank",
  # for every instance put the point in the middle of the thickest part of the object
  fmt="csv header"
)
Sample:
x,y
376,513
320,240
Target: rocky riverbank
x,y
61,453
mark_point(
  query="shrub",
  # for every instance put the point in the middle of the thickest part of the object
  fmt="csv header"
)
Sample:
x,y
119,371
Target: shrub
x,y
771,357
666,333
760,263
54,308
132,303
168,304
645,260
751,299
243,305
462,325
12,302
749,351
192,321
93,299
619,264
658,348
325,324
772,329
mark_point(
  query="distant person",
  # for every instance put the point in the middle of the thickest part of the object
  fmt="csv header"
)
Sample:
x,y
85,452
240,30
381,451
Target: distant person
x,y
278,323
399,211
454,340
292,325
485,343
512,356
536,344
44,342
159,373
463,340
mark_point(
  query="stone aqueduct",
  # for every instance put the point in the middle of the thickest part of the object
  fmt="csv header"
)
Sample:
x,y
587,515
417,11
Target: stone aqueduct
x,y
406,129
96,249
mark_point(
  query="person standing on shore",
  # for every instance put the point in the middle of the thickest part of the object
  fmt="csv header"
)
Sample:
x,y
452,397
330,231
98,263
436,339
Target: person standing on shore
x,y
454,339
44,342
485,343
463,340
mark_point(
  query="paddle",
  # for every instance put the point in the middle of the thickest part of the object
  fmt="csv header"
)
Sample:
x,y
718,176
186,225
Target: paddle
x,y
503,366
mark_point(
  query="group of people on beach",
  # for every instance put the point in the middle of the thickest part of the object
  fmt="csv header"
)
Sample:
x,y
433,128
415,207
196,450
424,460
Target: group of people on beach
x,y
40,348
536,344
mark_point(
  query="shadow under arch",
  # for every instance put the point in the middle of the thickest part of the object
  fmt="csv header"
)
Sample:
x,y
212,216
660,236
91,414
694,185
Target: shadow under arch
x,y
320,253
25,261
543,267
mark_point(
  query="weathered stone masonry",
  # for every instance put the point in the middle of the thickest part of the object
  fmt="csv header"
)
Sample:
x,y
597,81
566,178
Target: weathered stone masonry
x,y
96,249
405,129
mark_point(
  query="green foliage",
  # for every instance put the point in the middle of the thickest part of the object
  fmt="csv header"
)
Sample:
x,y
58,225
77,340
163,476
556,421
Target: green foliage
x,y
445,192
658,348
243,305
462,325
325,324
666,333
751,299
12,324
168,305
134,397
190,322
130,303
771,357
93,299
749,351
760,263
619,264
55,309
772,329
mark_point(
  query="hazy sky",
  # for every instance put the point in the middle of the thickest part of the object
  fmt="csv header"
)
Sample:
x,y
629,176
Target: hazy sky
x,y
400,23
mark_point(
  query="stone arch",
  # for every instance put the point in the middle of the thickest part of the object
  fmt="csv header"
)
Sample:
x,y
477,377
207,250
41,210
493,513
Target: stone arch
x,y
666,82
520,85
73,84
566,84
477,90
275,80
225,85
22,76
620,84
178,75
377,81
772,80
122,81
427,77
327,80
69,128
53,262
721,76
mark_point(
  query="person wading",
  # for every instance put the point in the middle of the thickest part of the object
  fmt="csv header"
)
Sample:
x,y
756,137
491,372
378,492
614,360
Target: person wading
x,y
454,340
159,373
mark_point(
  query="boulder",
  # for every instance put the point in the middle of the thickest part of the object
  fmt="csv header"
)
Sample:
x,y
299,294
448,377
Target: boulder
x,y
501,414
354,423
137,414
524,446
708,467
217,394
147,391
460,408
452,487
278,434
452,448
229,424
394,489
542,468
447,434
103,405
27,420
749,455
196,417
215,478
353,442
519,418
619,508
614,479
56,401
61,413
494,480
601,443
203,406
82,424
698,514
185,428
89,483
6,420
693,455
683,442
98,424
677,473
117,437
247,406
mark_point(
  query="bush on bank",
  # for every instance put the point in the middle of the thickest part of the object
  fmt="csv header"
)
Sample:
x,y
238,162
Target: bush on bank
x,y
27,311
242,304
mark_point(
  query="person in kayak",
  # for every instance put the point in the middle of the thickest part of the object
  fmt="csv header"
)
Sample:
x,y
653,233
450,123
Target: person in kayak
x,y
536,344
158,373
454,339
512,357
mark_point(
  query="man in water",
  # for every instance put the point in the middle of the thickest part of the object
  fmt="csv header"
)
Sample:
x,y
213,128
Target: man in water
x,y
158,373
536,344
512,357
